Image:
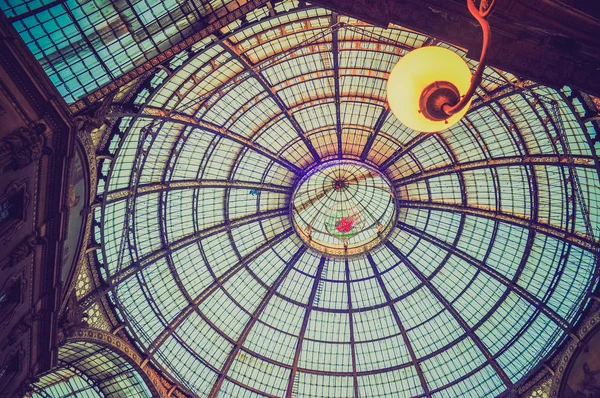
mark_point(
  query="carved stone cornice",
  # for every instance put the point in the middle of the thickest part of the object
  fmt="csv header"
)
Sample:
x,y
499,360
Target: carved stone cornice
x,y
41,103
22,147
20,329
34,85
10,96
22,251
18,277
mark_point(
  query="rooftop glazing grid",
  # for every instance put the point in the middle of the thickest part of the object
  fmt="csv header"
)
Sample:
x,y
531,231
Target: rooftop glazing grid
x,y
489,263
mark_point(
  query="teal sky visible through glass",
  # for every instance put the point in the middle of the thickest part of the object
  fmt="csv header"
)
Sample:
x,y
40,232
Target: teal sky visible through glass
x,y
83,45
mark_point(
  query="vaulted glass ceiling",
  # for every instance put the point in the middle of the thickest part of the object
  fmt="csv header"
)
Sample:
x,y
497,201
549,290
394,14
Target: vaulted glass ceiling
x,y
83,45
489,264
343,208
488,267
89,370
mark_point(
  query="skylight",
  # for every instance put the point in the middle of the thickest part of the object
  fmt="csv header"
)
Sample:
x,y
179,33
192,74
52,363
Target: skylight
x,y
488,262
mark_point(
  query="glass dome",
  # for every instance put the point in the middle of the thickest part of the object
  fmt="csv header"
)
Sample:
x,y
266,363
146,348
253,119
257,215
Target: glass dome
x,y
342,208
487,253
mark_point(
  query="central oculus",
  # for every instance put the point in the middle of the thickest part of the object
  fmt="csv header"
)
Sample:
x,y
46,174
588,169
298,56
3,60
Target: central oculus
x,y
343,208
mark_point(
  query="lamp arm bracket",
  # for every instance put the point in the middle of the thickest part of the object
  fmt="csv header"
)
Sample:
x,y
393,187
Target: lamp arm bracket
x,y
480,14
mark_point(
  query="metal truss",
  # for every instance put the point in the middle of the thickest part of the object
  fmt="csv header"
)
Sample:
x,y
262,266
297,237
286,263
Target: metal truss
x,y
214,286
376,129
499,93
274,96
155,115
181,113
481,266
400,325
547,229
292,388
167,54
528,160
419,139
122,274
470,332
351,323
335,48
174,185
257,312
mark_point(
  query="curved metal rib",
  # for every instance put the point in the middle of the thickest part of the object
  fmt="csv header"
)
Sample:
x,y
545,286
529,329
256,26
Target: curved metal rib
x,y
519,291
484,350
309,308
403,331
244,335
580,240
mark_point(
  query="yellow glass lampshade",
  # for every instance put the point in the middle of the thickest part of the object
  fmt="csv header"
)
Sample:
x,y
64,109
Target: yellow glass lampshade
x,y
417,71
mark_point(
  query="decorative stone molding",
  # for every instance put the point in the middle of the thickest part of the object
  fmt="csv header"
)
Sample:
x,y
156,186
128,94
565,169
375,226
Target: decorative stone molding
x,y
534,383
10,96
590,323
9,284
71,318
549,379
22,147
22,251
18,352
88,146
36,104
93,117
87,278
8,231
542,390
83,282
86,239
22,327
97,317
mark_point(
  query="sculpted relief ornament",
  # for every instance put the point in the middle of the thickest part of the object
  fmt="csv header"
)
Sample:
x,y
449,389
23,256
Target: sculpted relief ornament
x,y
22,147
71,318
13,206
22,327
22,251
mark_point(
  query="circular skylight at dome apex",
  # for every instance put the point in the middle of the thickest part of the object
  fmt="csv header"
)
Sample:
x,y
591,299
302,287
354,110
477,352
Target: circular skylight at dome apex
x,y
342,208
488,262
